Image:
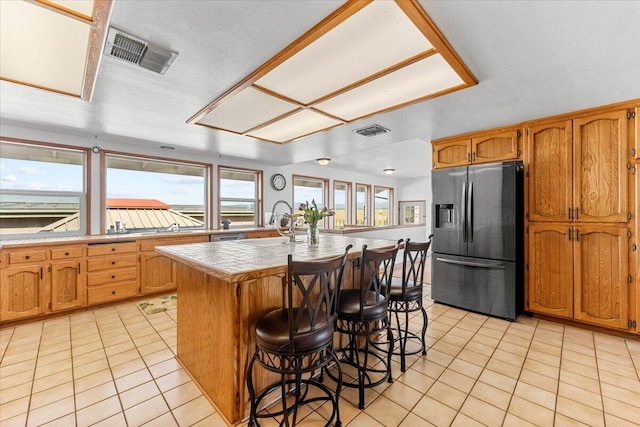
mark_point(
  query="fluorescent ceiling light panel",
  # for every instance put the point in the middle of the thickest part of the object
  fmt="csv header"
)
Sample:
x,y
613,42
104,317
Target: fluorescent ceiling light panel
x,y
377,37
366,57
418,80
246,110
302,123
42,48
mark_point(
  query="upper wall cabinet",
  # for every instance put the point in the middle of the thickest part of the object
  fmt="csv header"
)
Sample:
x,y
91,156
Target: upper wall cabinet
x,y
494,146
577,169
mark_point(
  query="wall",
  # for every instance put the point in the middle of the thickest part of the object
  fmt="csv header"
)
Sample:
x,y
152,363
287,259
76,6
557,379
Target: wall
x,y
407,189
417,189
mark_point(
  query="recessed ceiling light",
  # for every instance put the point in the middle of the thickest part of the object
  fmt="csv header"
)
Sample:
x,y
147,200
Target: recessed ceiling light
x,y
389,171
363,59
323,161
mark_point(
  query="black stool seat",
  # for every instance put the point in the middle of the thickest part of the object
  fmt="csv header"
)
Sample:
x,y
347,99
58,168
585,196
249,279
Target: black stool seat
x,y
272,331
412,293
349,307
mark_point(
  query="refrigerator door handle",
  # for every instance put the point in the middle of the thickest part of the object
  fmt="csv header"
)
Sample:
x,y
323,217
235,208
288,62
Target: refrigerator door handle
x,y
471,264
464,211
470,214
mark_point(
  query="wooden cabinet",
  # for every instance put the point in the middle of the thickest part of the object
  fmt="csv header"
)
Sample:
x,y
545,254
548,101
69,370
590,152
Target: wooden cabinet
x,y
577,169
451,153
579,272
23,292
158,272
484,147
550,268
112,271
259,234
68,278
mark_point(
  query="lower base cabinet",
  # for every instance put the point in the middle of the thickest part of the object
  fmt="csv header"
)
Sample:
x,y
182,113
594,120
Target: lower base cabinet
x,y
580,272
23,292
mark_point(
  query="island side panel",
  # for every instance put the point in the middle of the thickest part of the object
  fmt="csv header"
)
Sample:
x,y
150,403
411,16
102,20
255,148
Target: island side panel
x,y
257,298
207,335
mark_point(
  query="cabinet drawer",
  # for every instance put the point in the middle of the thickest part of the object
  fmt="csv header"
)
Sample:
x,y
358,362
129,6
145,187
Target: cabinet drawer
x,y
63,253
108,263
150,245
261,234
111,248
27,256
111,276
108,293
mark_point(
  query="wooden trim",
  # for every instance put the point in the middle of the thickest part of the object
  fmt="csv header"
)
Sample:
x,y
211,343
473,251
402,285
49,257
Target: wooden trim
x,y
259,197
424,23
368,202
69,13
348,200
97,39
20,82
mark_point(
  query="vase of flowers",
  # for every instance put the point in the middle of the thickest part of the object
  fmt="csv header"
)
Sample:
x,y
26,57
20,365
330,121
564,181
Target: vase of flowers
x,y
312,215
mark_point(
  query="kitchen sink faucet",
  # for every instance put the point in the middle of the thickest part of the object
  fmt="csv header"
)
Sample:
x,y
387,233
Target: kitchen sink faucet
x,y
292,230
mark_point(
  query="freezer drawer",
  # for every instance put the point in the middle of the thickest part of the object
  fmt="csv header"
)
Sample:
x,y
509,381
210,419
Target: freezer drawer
x,y
486,286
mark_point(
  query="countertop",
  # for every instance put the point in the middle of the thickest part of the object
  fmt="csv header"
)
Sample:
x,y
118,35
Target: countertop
x,y
253,258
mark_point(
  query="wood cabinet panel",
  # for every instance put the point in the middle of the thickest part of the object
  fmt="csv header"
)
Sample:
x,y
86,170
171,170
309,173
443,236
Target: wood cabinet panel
x,y
453,153
600,177
549,168
112,275
104,263
68,285
157,273
495,147
31,255
262,234
112,292
68,252
23,292
550,265
601,270
111,248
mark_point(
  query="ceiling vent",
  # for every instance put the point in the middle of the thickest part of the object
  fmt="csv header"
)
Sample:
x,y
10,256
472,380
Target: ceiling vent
x,y
137,51
372,130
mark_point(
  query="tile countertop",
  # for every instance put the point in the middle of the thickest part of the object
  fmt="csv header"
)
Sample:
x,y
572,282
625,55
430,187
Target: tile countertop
x,y
49,240
252,258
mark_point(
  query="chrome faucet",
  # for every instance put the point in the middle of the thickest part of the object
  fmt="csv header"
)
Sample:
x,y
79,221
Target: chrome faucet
x,y
174,227
292,229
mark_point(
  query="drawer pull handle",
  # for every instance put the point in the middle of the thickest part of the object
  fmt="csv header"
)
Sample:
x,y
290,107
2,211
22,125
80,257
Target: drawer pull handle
x,y
113,263
66,254
27,256
113,277
113,292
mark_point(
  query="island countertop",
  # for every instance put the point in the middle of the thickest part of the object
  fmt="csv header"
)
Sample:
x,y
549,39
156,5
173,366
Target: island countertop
x,y
254,258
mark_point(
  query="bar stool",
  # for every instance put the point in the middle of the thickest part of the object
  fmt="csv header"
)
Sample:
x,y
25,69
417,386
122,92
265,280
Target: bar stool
x,y
298,339
406,297
363,315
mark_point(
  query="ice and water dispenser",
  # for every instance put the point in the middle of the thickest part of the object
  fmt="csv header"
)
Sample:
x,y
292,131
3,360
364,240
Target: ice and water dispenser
x,y
445,217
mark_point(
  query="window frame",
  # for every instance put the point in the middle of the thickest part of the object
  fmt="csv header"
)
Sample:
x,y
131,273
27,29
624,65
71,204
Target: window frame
x,y
207,214
390,204
347,208
325,193
259,196
367,211
405,203
84,196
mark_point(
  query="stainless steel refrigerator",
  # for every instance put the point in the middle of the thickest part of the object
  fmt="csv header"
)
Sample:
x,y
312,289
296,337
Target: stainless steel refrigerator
x,y
478,238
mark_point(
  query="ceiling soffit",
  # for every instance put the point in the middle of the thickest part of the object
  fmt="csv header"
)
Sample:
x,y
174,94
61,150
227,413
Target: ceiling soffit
x,y
53,45
365,58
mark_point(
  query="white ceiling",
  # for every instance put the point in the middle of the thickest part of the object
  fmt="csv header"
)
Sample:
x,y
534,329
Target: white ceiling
x,y
532,59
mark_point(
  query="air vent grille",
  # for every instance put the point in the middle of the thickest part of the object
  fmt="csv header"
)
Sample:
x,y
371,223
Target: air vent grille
x,y
372,130
127,48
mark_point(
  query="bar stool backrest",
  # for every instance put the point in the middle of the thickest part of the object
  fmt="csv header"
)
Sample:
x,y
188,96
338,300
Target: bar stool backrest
x,y
414,260
376,272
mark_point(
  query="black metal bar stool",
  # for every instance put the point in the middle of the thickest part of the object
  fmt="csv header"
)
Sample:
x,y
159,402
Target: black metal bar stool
x,y
405,297
363,315
297,340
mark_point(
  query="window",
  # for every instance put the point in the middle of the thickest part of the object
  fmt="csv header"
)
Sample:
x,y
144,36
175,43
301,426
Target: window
x,y
240,199
382,205
43,189
412,212
148,194
362,203
306,189
341,203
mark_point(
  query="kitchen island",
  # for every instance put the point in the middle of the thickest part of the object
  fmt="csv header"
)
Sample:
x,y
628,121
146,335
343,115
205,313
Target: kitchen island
x,y
223,289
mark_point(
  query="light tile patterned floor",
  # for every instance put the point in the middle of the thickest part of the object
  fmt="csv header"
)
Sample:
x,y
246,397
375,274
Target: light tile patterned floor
x,y
116,366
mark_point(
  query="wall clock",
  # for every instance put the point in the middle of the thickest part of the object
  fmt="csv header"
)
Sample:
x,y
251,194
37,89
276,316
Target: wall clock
x,y
278,182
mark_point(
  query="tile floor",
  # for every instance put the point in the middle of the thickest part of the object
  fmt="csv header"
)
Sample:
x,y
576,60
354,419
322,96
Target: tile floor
x,y
116,366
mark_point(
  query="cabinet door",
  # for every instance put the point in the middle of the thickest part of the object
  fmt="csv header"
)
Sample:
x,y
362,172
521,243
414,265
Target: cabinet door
x,y
550,264
453,153
495,147
23,292
601,271
636,132
549,160
68,285
600,164
157,273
